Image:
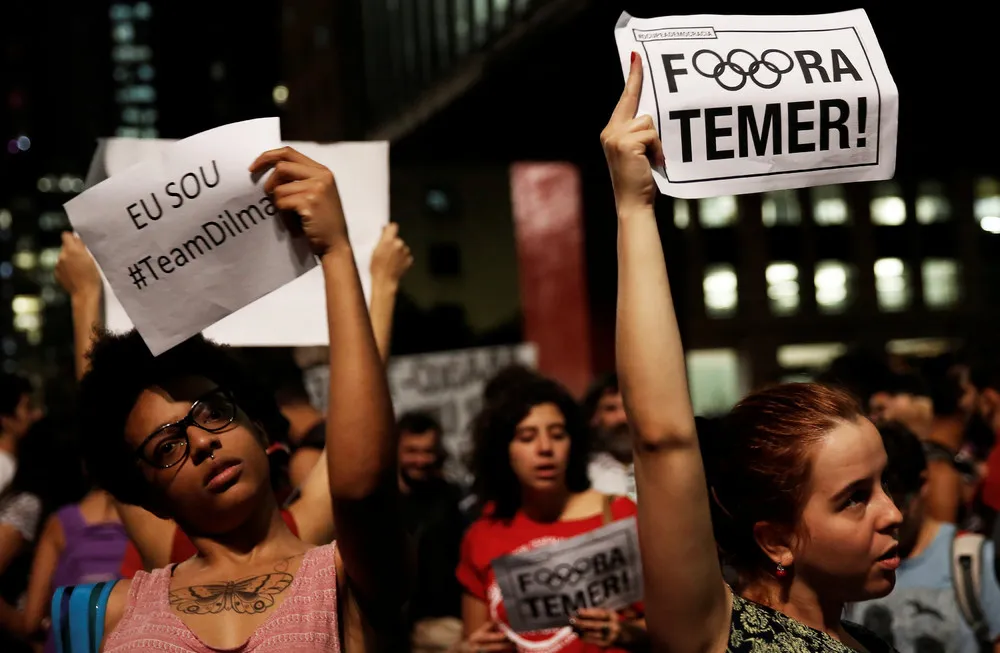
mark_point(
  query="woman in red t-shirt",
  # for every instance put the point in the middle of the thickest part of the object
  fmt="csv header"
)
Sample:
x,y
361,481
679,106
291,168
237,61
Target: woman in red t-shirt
x,y
530,461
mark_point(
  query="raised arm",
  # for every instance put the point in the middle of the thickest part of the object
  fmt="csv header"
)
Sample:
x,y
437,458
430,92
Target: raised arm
x,y
77,273
390,261
687,605
360,426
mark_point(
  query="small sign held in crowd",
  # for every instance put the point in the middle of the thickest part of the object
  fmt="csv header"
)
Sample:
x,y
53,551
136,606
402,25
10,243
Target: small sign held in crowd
x,y
188,237
745,104
449,385
544,587
362,173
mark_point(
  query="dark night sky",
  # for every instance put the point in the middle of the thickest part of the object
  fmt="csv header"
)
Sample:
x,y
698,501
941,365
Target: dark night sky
x,y
553,97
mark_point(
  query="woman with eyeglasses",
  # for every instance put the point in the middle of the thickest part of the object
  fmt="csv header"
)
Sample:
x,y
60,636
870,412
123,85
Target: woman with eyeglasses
x,y
184,435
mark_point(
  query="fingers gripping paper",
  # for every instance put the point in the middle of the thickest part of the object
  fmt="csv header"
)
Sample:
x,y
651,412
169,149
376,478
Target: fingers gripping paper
x,y
295,313
189,236
755,103
542,588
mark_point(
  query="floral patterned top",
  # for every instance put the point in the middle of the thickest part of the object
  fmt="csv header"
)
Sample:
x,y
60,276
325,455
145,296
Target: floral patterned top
x,y
756,628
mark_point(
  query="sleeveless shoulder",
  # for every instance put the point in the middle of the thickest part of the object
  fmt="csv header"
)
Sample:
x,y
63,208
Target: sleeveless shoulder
x,y
71,519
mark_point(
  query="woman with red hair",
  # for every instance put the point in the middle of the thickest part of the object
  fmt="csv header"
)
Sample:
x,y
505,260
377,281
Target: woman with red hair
x,y
788,489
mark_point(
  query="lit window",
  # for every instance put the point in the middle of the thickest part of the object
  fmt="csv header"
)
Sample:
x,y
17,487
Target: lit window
x,y
720,288
500,9
986,206
815,356
149,132
127,132
121,12
887,206
682,213
143,11
829,206
280,94
123,33
66,183
832,280
45,184
715,380
718,211
941,284
26,304
47,258
781,208
25,260
146,72
6,218
481,11
77,186
892,284
919,347
6,270
783,288
52,221
932,203
461,21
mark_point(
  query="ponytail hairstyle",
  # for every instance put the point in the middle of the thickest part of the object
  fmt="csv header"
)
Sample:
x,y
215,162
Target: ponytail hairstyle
x,y
758,467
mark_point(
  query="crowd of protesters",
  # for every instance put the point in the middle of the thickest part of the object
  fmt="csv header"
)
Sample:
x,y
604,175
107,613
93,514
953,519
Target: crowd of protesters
x,y
214,507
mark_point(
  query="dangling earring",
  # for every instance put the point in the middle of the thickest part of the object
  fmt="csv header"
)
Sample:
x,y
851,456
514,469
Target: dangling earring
x,y
780,571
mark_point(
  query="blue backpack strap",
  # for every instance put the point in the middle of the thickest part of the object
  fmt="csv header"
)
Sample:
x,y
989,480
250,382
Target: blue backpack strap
x,y
60,619
100,610
78,617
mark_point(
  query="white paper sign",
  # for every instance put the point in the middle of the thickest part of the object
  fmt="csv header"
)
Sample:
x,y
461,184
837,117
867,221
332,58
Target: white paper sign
x,y
362,173
450,386
746,104
188,237
544,587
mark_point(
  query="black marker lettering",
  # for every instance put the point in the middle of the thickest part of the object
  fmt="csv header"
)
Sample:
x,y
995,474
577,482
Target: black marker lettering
x,y
795,126
713,132
685,117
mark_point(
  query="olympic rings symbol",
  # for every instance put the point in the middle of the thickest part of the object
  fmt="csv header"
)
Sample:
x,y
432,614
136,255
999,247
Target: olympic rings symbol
x,y
746,69
562,574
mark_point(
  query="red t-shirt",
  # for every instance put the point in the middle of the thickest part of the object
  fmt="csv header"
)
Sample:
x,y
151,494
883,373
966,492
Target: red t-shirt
x,y
181,549
488,539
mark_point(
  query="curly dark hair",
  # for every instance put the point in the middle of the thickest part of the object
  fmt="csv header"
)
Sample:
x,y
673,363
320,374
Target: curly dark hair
x,y
496,482
121,367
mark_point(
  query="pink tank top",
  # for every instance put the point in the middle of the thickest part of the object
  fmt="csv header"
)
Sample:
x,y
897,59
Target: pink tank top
x,y
305,621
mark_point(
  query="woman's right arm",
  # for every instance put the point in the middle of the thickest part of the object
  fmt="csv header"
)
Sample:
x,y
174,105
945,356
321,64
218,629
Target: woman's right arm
x,y
43,568
687,603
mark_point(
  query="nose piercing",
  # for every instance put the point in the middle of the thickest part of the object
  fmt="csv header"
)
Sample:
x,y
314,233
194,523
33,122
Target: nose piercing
x,y
212,455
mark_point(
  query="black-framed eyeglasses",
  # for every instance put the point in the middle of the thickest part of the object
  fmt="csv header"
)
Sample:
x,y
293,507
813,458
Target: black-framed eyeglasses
x,y
169,445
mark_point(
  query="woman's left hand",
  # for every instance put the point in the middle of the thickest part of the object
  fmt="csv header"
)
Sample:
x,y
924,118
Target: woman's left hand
x,y
597,626
308,188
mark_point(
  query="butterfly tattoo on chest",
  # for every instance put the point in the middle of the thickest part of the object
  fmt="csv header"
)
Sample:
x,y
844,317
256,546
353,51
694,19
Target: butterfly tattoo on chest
x,y
247,596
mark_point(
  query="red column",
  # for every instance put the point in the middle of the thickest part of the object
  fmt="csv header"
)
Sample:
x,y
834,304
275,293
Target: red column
x,y
548,227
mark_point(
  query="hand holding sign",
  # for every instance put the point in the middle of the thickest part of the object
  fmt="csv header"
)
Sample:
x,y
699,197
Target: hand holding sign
x,y
597,626
76,270
487,639
629,144
308,188
392,257
745,104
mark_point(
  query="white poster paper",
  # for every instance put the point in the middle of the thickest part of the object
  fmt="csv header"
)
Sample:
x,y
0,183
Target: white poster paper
x,y
746,104
295,314
189,236
450,386
542,588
